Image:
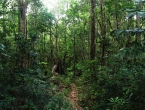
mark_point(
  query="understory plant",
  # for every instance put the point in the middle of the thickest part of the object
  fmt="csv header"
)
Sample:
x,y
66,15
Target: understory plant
x,y
115,87
26,88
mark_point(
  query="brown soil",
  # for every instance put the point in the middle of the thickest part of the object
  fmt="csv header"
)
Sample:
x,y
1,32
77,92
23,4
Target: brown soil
x,y
73,97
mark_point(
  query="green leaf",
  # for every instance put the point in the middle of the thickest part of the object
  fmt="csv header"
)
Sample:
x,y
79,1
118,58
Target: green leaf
x,y
130,15
38,70
43,63
2,47
141,14
6,55
117,33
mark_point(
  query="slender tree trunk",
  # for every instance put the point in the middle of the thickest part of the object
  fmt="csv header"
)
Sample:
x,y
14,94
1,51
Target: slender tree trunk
x,y
138,37
103,31
4,23
74,54
116,17
65,43
44,38
56,45
22,27
56,40
89,45
51,48
92,27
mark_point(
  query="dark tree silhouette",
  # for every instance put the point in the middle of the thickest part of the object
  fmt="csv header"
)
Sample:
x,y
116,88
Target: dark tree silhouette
x,y
58,68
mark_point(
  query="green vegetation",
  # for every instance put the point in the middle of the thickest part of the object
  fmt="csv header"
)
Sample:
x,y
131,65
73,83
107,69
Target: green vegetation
x,y
101,44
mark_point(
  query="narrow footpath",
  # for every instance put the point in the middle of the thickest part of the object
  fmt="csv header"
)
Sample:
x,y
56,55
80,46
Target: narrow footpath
x,y
73,97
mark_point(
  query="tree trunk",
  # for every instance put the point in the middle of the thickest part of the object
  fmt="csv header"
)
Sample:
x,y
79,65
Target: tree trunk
x,y
22,27
103,31
92,27
74,54
138,37
4,22
56,40
51,48
22,30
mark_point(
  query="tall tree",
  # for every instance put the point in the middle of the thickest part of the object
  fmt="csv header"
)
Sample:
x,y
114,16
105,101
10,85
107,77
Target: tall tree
x,y
92,27
22,8
138,20
103,30
22,30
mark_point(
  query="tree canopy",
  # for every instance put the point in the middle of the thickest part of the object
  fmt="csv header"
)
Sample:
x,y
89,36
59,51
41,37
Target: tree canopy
x,y
100,45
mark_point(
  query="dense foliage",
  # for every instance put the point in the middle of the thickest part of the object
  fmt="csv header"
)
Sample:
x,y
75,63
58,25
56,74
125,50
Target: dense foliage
x,y
23,85
100,43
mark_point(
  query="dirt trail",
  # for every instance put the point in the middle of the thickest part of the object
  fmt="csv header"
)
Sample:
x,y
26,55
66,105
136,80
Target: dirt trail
x,y
73,97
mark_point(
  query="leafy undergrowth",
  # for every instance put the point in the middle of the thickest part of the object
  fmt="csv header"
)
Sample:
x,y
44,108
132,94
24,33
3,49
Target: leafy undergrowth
x,y
119,86
23,91
68,89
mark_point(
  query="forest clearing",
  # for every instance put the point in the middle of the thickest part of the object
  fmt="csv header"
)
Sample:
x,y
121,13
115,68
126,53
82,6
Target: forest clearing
x,y
72,55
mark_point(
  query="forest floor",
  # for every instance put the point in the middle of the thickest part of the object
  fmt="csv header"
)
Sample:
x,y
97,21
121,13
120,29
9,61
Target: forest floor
x,y
73,97
72,94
